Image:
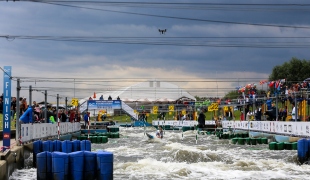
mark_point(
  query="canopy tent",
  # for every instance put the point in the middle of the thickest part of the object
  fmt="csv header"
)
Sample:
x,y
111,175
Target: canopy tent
x,y
43,102
147,92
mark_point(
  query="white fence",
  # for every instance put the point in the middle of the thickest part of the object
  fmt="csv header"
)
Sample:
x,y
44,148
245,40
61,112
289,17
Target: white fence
x,y
274,127
179,123
43,130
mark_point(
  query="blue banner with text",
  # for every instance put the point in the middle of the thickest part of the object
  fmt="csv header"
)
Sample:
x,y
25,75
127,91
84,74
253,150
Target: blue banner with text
x,y
7,107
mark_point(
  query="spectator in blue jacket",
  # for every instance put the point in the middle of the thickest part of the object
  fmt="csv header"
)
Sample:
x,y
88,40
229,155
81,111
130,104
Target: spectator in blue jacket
x,y
27,116
86,119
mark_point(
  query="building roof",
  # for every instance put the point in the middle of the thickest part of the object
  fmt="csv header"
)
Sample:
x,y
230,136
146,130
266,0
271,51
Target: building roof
x,y
148,91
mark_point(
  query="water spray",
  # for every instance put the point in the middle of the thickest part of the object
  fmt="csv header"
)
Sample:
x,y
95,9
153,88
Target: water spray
x,y
144,129
164,124
182,129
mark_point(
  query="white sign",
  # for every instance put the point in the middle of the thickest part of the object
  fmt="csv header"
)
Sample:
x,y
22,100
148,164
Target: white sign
x,y
274,127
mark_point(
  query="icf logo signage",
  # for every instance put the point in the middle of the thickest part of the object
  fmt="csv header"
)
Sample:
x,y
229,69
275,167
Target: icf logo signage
x,y
7,107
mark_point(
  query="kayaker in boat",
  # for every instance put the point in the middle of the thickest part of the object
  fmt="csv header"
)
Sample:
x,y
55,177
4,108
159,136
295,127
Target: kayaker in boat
x,y
160,133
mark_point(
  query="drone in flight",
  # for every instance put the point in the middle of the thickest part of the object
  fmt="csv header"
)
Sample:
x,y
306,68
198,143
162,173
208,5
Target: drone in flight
x,y
162,31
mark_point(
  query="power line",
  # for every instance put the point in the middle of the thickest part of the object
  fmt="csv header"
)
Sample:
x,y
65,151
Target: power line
x,y
174,17
245,42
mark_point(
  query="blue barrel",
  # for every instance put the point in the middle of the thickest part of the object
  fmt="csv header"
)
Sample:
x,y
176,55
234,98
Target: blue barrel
x,y
85,145
308,148
66,146
48,146
37,148
44,166
76,165
90,165
57,145
105,165
302,149
60,165
76,145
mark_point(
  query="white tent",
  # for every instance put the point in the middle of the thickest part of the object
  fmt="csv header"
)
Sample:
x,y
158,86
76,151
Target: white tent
x,y
148,91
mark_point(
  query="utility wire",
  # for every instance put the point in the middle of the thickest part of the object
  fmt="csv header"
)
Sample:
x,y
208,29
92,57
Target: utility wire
x,y
192,6
174,17
246,42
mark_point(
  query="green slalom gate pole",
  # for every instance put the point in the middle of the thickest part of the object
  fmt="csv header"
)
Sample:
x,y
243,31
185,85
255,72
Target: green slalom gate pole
x,y
196,137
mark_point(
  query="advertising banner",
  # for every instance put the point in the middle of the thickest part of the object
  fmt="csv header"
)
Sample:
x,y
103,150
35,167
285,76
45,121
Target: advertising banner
x,y
274,127
7,107
180,123
104,104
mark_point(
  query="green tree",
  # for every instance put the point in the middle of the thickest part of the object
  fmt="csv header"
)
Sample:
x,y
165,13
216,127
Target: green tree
x,y
232,95
293,71
198,98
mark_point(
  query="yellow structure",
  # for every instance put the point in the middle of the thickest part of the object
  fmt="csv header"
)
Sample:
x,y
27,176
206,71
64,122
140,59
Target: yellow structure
x,y
100,114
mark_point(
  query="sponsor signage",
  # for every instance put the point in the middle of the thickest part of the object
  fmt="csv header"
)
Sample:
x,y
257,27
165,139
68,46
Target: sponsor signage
x,y
213,107
7,107
274,127
180,123
104,104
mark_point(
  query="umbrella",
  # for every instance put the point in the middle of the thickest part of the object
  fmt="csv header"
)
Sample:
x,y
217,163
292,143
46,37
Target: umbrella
x,y
308,79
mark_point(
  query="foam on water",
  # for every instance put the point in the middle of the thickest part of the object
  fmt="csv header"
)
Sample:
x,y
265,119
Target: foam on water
x,y
137,157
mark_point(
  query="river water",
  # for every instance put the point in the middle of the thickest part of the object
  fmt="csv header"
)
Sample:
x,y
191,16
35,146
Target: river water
x,y
136,157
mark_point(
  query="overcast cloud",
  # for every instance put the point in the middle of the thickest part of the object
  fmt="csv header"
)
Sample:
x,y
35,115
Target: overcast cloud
x,y
43,58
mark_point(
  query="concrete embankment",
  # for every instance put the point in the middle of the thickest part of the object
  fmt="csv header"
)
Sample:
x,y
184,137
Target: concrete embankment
x,y
13,158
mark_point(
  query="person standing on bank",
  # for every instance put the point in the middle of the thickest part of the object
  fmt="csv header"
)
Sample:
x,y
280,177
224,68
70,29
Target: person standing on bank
x,y
294,114
201,119
86,119
63,116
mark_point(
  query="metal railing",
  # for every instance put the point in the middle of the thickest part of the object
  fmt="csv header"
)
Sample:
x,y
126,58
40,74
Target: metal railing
x,y
30,132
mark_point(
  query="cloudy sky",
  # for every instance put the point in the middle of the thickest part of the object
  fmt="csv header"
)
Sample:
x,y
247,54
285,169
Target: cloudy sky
x,y
88,43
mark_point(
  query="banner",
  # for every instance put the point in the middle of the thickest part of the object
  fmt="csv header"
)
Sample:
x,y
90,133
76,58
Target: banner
x,y
104,104
180,123
301,129
7,107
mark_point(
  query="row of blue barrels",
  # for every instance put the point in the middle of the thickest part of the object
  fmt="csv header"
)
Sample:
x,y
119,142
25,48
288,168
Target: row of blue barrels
x,y
249,141
303,151
221,135
283,146
60,146
77,165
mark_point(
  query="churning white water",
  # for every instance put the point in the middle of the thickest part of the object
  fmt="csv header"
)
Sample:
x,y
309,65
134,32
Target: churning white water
x,y
137,157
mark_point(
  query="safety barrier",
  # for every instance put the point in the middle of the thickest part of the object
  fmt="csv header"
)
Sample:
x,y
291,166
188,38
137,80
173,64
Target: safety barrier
x,y
299,129
31,132
75,165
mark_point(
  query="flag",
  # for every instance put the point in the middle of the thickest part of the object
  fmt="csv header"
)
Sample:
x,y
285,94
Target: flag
x,y
261,82
282,80
277,84
94,95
